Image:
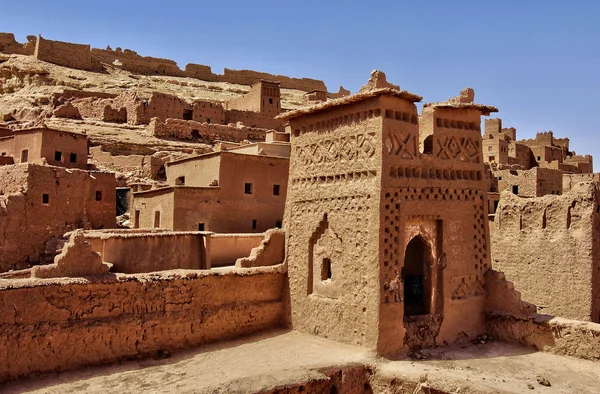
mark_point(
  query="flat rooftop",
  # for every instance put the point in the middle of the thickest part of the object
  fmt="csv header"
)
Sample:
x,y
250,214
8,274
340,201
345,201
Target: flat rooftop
x,y
281,357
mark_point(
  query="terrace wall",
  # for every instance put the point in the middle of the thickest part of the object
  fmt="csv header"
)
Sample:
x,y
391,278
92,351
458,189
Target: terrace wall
x,y
62,324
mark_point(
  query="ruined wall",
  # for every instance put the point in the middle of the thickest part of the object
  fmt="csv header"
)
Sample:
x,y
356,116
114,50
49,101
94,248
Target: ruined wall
x,y
548,247
200,71
137,252
253,119
163,106
549,334
63,324
114,115
131,61
225,249
521,155
63,53
535,182
42,202
570,180
203,132
138,165
248,77
71,94
208,111
91,107
9,45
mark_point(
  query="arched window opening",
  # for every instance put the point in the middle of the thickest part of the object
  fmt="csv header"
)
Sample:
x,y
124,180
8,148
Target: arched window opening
x,y
428,145
417,278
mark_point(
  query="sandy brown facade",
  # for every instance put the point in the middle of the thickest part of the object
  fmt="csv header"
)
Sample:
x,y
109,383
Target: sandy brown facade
x,y
549,247
380,234
501,147
224,192
39,202
42,145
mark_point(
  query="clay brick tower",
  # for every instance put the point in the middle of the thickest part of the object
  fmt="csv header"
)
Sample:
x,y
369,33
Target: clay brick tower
x,y
270,98
387,246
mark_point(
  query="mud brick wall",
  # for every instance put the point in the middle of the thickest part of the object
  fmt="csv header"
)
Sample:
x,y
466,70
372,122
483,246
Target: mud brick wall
x,y
63,324
203,132
64,54
548,246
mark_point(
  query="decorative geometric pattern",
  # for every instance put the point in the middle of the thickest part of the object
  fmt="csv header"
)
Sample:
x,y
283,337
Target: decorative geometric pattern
x,y
349,148
464,149
466,287
401,144
393,289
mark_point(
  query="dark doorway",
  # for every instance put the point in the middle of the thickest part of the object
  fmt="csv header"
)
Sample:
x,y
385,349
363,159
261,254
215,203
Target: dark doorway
x,y
188,114
417,278
428,145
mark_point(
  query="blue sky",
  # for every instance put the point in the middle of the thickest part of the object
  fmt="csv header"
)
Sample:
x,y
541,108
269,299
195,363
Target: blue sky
x,y
537,61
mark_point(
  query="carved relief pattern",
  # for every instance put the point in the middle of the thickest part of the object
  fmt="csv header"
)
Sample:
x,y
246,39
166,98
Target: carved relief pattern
x,y
336,149
401,144
463,287
354,203
466,287
465,149
393,288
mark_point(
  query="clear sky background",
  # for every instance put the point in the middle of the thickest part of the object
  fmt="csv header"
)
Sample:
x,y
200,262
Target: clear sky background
x,y
537,61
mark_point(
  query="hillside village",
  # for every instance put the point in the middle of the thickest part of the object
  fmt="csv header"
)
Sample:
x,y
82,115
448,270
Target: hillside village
x,y
147,210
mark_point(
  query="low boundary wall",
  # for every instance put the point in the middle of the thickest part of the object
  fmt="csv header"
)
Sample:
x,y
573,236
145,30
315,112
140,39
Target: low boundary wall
x,y
60,324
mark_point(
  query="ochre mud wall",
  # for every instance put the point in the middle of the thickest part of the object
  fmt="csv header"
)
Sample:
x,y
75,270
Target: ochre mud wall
x,y
549,244
63,324
63,53
203,132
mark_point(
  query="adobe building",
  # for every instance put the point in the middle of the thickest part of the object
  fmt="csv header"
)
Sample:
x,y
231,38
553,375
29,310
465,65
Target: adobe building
x,y
38,203
256,109
501,147
549,247
388,245
223,192
44,145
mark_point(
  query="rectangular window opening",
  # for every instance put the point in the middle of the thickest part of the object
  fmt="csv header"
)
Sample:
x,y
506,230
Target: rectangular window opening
x,y
278,224
45,198
98,195
57,156
156,219
180,181
253,224
275,190
136,222
247,188
73,158
24,155
515,189
200,226
326,269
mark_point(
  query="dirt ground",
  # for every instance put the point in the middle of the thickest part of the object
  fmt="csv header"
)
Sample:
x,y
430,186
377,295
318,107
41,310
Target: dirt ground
x,y
279,358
